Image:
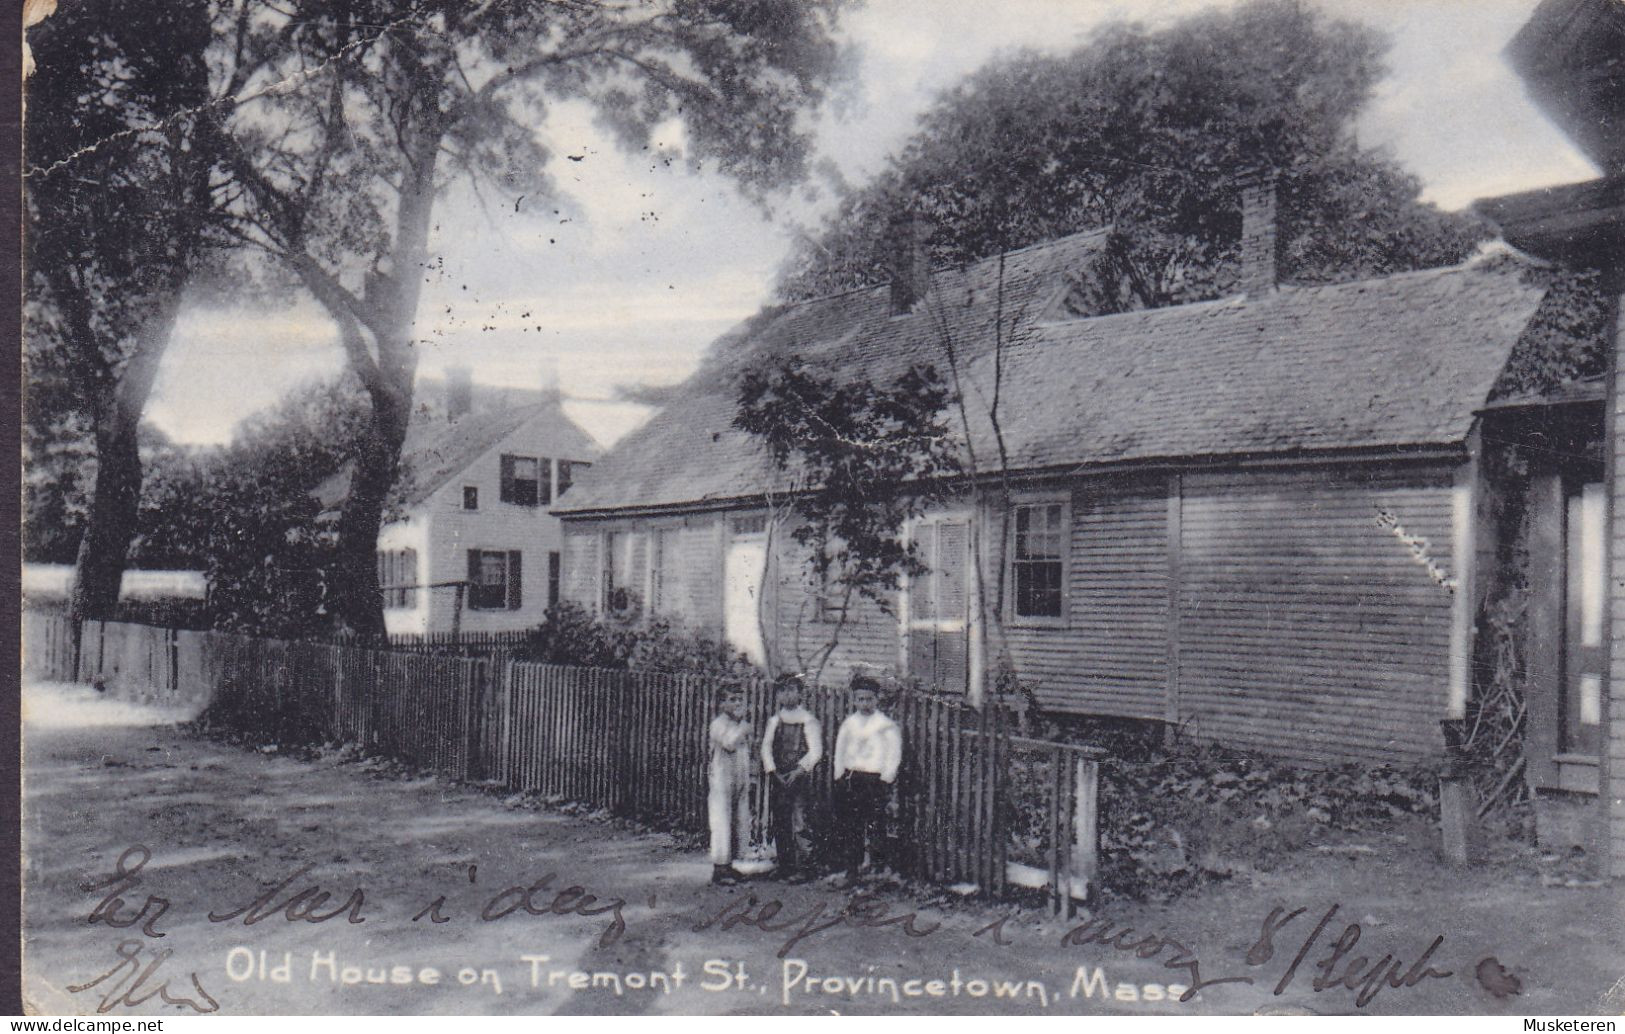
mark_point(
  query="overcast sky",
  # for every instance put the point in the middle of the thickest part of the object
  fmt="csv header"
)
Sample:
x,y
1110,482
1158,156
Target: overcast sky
x,y
630,275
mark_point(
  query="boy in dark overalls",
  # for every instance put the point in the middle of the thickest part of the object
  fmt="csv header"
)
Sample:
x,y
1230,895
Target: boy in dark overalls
x,y
792,746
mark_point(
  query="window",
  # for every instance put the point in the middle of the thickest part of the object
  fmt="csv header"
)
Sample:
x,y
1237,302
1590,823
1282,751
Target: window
x,y
1584,667
555,576
1037,560
524,481
567,473
397,578
829,604
471,497
626,561
494,579
829,596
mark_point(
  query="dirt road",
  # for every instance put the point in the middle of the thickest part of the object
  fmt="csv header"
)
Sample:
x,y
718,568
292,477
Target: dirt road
x,y
337,886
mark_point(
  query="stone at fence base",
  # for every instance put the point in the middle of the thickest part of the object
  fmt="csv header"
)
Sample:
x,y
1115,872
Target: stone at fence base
x,y
1017,874
1458,825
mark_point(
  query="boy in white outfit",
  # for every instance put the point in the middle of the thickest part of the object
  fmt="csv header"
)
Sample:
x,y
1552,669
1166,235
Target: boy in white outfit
x,y
728,804
792,746
868,751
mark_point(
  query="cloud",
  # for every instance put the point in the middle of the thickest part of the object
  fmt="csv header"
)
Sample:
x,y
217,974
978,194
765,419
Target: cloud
x,y
627,274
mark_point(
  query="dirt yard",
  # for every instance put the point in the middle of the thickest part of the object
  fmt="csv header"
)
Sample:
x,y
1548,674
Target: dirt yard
x,y
333,885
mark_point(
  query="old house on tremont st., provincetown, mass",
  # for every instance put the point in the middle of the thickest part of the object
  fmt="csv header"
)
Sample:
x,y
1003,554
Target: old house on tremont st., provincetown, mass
x,y
1323,522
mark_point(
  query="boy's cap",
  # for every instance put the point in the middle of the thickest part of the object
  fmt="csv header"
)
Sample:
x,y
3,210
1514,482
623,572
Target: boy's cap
x,y
788,680
865,684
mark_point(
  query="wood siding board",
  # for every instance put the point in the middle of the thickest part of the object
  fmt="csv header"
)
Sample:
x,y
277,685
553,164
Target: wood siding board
x,y
1306,627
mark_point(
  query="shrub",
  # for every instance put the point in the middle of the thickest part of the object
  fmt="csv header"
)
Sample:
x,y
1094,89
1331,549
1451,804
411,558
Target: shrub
x,y
572,634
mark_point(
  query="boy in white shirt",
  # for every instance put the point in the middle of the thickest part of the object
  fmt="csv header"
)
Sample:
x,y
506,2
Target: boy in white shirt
x,y
728,803
868,751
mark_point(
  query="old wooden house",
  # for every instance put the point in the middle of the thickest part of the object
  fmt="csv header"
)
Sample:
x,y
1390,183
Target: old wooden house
x,y
1258,519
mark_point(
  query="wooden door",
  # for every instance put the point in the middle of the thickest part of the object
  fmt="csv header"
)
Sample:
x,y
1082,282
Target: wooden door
x,y
938,632
743,566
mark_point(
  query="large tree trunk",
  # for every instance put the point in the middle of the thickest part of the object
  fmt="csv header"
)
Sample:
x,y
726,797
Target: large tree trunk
x,y
359,602
391,305
117,403
105,545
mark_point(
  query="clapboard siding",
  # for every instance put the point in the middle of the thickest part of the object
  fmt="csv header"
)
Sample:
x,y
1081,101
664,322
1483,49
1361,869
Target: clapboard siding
x,y
675,562
868,640
1311,621
1110,656
1307,627
690,586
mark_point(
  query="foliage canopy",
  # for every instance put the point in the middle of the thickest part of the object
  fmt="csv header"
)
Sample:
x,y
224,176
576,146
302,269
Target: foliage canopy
x,y
1146,131
865,459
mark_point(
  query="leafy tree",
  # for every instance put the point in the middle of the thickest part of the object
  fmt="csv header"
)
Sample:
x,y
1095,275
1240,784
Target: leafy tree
x,y
121,199
862,459
59,469
363,111
251,518
1147,132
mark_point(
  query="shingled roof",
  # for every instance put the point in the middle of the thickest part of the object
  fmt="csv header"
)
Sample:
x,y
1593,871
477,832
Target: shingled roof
x,y
435,452
1396,362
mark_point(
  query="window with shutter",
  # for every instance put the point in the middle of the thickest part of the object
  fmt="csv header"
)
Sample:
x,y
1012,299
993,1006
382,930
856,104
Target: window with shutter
x,y
489,579
521,480
938,614
516,581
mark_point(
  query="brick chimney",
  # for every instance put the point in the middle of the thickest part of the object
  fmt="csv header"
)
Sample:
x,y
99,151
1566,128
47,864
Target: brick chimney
x,y
1258,238
459,392
907,262
550,379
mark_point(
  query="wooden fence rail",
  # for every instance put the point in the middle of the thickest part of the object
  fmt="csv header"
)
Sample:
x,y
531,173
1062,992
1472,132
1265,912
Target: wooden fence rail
x,y
975,803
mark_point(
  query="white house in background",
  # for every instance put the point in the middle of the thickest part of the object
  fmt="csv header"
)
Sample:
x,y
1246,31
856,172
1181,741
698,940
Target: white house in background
x,y
475,547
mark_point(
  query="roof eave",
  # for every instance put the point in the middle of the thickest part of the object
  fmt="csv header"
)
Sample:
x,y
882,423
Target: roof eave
x,y
1453,451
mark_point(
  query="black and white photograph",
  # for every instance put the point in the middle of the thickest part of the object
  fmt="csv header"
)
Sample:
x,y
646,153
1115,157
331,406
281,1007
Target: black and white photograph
x,y
776,508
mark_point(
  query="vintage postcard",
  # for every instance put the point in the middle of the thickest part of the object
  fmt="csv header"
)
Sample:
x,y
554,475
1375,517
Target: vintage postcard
x,y
797,507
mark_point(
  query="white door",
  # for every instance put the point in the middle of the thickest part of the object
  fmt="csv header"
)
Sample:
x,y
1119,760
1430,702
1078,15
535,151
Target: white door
x,y
742,595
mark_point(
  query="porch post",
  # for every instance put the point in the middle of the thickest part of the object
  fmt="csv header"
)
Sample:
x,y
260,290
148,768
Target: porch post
x,y
1611,756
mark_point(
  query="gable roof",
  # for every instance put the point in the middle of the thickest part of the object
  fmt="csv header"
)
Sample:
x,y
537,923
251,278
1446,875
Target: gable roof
x,y
688,451
1398,362
1389,363
435,452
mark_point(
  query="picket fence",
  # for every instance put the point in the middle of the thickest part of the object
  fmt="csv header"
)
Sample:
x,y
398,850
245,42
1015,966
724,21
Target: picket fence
x,y
458,644
975,805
